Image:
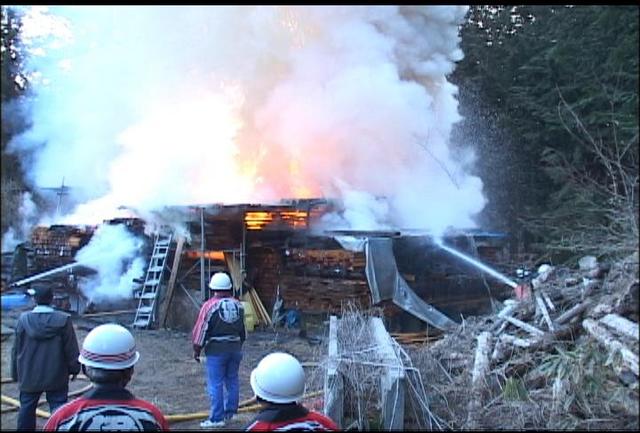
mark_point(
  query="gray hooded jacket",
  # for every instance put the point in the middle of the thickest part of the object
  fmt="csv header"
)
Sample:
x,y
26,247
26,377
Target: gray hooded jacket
x,y
45,351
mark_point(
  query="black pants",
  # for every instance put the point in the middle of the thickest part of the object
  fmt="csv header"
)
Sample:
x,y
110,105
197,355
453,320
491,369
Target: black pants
x,y
29,403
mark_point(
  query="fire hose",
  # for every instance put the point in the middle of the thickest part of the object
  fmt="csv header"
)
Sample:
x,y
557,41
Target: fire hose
x,y
248,405
16,404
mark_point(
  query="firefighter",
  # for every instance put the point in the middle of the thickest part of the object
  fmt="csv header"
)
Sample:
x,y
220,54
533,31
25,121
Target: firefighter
x,y
278,383
220,331
44,355
108,355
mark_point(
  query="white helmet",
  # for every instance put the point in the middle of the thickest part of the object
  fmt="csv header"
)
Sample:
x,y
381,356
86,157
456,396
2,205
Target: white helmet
x,y
278,378
220,281
110,347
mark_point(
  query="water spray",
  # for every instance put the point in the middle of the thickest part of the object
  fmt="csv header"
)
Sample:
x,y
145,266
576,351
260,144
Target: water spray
x,y
477,264
52,272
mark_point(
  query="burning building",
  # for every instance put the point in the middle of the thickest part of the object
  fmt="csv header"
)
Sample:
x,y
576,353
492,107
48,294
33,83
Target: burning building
x,y
370,128
279,251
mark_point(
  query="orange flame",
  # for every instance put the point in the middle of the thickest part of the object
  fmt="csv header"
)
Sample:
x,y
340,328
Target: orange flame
x,y
257,220
213,255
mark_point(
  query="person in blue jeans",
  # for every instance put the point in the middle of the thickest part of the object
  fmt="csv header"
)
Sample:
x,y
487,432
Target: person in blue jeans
x,y
44,355
220,331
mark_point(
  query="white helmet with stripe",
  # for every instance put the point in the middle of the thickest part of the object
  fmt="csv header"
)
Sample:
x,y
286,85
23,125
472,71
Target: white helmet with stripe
x,y
220,281
278,378
110,346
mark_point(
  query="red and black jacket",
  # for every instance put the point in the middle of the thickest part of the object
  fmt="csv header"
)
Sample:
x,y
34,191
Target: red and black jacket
x,y
107,408
220,326
284,417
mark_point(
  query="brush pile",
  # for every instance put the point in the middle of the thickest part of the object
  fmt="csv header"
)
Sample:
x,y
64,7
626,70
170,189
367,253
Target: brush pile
x,y
565,357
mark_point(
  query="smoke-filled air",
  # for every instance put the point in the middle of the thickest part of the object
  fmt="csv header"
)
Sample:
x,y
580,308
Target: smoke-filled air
x,y
116,255
146,107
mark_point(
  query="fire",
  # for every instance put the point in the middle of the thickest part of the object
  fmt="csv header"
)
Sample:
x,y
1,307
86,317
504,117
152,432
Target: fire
x,y
212,255
298,219
258,220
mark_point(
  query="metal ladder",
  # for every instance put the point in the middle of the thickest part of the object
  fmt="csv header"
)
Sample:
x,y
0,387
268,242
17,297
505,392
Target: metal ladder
x,y
145,314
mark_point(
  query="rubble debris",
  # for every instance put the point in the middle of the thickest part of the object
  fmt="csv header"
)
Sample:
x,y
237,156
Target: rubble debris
x,y
570,351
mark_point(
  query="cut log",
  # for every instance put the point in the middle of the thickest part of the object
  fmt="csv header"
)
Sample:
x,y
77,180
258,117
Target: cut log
x,y
622,326
518,342
479,379
604,337
520,324
572,312
538,343
543,309
509,308
547,299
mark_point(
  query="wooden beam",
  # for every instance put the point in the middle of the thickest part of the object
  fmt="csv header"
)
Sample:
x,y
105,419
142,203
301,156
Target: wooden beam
x,y
164,308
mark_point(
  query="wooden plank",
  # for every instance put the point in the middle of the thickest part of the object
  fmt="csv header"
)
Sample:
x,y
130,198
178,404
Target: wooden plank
x,y
164,308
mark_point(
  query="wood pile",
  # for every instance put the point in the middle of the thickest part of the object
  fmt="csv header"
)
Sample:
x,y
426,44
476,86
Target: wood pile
x,y
570,348
56,245
332,263
315,294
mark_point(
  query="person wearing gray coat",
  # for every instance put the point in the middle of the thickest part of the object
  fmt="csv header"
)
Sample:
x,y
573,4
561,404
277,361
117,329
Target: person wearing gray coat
x,y
45,353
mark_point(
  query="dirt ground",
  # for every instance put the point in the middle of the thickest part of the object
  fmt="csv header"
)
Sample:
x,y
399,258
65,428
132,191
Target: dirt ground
x,y
167,375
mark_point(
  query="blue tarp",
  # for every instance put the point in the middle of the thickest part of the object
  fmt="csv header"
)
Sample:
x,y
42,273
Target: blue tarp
x,y
14,301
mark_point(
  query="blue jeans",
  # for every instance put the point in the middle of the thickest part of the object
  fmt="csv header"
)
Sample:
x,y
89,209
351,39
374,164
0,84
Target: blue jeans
x,y
29,403
222,370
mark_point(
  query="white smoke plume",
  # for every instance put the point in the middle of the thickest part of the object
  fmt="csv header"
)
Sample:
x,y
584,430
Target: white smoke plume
x,y
116,254
19,232
169,105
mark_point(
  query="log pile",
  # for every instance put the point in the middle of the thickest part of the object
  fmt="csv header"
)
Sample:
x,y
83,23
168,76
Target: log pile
x,y
315,294
564,358
56,245
330,263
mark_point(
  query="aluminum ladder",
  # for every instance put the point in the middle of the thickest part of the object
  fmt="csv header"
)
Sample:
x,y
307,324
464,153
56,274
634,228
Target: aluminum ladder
x,y
145,314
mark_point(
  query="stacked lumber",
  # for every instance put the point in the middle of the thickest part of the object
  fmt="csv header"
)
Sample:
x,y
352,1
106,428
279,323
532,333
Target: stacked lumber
x,y
56,245
313,294
332,263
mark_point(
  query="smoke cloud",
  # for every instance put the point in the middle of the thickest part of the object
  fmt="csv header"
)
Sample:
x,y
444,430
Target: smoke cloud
x,y
168,105
116,254
18,232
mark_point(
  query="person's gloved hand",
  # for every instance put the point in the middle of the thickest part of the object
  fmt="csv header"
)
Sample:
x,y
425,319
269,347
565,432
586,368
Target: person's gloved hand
x,y
196,352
